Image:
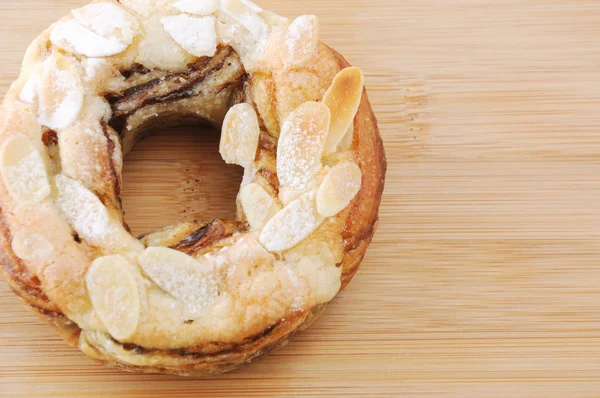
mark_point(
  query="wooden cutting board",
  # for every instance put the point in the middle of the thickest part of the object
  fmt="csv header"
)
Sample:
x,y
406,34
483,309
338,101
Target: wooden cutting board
x,y
484,277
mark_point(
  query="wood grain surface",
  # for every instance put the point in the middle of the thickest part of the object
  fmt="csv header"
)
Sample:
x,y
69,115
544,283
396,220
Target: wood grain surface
x,y
484,277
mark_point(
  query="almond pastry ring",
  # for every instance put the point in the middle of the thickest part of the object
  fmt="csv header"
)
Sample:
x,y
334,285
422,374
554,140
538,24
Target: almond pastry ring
x,y
190,298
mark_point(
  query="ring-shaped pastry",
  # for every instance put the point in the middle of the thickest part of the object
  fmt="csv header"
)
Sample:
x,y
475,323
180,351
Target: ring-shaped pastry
x,y
190,298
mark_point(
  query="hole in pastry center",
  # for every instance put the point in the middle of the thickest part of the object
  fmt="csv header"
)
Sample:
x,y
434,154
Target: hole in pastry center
x,y
175,175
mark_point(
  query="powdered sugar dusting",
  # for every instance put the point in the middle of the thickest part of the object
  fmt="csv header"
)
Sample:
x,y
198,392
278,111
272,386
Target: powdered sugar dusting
x,y
108,20
255,25
70,35
258,205
61,92
157,49
292,224
239,288
302,39
244,29
301,145
197,7
299,301
191,281
196,35
249,50
142,7
114,294
27,180
81,208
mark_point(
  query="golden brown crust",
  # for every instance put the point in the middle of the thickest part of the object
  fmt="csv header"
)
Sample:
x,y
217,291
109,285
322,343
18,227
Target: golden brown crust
x,y
198,363
358,234
20,279
214,358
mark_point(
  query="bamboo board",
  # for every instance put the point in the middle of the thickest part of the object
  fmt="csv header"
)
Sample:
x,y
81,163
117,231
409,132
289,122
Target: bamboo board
x,y
483,280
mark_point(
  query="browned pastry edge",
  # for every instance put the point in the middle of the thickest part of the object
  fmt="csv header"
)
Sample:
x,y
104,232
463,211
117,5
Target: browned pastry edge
x,y
358,232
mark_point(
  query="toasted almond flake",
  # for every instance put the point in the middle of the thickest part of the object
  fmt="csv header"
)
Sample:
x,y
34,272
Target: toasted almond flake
x,y
246,14
31,246
108,20
301,40
191,281
258,205
346,142
239,135
29,92
82,209
23,171
301,145
196,35
343,99
70,35
114,294
197,7
339,187
292,224
61,92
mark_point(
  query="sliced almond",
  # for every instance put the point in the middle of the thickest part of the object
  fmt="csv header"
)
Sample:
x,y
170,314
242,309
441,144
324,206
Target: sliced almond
x,y
31,246
301,40
61,92
240,261
346,142
197,7
82,209
292,224
301,145
196,35
23,171
258,205
246,14
288,195
114,294
324,246
108,20
343,98
29,92
339,187
324,281
191,281
239,135
157,49
70,35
